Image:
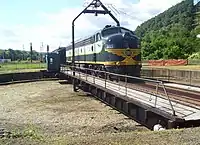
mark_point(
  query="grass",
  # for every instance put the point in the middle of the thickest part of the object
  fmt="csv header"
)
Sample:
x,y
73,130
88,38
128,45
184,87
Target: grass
x,y
169,137
29,134
35,66
21,67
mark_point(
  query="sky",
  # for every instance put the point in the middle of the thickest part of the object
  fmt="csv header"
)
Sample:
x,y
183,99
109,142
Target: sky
x,y
49,22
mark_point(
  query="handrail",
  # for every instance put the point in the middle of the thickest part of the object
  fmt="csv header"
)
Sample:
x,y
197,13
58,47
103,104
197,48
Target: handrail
x,y
158,82
120,75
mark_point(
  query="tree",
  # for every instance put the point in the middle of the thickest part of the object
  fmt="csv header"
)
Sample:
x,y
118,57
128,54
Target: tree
x,y
18,54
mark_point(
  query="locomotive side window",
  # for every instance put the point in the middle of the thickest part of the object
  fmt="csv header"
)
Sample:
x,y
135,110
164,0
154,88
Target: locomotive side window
x,y
92,39
98,37
51,60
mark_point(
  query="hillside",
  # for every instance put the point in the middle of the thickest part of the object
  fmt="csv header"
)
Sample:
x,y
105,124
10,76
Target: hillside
x,y
171,34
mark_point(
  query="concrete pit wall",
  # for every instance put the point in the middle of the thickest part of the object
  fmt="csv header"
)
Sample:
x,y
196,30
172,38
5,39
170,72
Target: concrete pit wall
x,y
27,76
179,76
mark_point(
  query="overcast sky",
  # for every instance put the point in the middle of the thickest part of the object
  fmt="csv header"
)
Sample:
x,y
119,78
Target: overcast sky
x,y
36,21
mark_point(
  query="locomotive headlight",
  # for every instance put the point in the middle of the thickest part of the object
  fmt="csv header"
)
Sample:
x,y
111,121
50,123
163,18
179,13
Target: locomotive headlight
x,y
98,4
110,46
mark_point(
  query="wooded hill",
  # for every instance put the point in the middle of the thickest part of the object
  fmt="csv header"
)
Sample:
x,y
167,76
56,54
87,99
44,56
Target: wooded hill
x,y
171,34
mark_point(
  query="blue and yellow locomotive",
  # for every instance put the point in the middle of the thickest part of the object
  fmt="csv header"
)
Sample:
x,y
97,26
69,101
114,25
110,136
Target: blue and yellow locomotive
x,y
114,49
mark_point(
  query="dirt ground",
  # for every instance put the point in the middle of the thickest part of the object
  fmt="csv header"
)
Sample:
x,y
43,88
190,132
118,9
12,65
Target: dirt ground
x,y
47,112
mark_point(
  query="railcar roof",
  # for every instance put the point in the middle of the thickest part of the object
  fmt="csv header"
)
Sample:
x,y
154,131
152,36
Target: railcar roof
x,y
88,37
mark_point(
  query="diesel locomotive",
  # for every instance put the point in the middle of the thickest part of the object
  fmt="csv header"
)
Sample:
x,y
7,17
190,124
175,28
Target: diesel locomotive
x,y
114,49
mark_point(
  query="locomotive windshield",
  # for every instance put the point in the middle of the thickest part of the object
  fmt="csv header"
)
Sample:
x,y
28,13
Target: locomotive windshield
x,y
114,30
110,31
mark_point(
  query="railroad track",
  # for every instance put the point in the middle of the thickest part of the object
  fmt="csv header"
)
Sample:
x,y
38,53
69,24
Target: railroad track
x,y
187,97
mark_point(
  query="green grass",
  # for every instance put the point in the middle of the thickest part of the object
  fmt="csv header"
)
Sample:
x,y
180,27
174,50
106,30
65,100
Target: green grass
x,y
30,134
35,136
21,67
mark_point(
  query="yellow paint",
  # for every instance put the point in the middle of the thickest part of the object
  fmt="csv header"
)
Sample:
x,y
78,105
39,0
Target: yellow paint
x,y
122,52
128,54
110,62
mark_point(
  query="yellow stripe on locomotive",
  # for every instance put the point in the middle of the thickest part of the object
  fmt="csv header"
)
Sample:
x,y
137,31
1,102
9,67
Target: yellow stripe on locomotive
x,y
128,54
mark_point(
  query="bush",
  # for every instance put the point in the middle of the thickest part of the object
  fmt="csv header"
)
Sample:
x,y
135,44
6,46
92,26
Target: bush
x,y
195,56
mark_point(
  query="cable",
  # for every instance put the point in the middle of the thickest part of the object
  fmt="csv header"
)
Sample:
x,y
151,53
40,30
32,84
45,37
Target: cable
x,y
116,11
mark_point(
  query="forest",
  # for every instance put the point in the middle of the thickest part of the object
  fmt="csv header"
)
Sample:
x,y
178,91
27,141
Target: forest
x,y
171,34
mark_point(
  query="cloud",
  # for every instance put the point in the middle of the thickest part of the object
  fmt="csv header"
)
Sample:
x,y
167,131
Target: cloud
x,y
8,33
55,28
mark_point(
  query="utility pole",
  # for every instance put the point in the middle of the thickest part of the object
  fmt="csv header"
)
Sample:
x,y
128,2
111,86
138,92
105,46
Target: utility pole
x,y
23,53
48,54
47,49
41,48
3,55
31,49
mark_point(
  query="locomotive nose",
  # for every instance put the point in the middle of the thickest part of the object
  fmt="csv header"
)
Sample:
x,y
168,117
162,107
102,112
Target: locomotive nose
x,y
114,41
122,41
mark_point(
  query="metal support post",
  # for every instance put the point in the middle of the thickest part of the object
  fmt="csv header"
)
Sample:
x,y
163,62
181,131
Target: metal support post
x,y
156,94
190,77
105,78
79,72
86,74
173,111
118,79
93,74
73,57
126,80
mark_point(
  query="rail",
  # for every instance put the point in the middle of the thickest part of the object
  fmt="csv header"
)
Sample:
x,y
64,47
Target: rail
x,y
94,73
